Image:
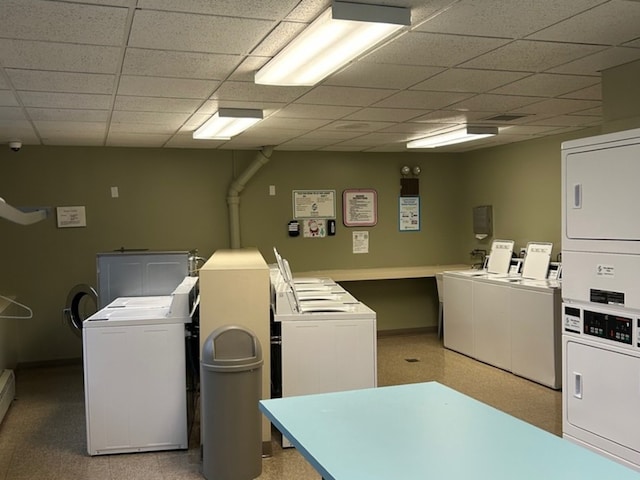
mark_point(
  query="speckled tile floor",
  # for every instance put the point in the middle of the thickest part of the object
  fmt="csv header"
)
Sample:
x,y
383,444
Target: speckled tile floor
x,y
43,434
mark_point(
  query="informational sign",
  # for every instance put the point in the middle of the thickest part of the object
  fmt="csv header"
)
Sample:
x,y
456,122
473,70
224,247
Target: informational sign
x,y
409,214
360,242
314,204
71,217
360,208
314,228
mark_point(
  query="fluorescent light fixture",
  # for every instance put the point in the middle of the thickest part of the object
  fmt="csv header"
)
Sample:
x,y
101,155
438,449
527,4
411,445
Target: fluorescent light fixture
x,y
461,135
339,35
227,122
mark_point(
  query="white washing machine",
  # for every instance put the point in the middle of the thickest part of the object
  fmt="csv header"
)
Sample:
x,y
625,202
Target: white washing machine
x,y
135,375
536,331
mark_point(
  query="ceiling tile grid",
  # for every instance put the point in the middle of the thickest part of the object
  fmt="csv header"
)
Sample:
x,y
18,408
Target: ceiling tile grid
x,y
147,73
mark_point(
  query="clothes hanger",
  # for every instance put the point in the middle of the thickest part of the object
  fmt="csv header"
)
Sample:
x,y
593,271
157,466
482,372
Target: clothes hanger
x,y
12,301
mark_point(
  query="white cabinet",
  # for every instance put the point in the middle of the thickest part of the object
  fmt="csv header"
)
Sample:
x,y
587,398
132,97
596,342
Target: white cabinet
x,y
135,388
328,356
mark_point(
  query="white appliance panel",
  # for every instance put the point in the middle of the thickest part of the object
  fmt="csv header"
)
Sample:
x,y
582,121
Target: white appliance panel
x,y
458,313
492,326
602,398
588,276
601,193
536,334
125,414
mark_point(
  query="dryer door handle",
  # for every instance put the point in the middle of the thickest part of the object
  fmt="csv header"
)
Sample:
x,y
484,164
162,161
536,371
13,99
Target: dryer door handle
x,y
577,391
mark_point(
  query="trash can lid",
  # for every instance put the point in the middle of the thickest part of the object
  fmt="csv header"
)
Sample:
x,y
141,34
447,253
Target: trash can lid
x,y
231,347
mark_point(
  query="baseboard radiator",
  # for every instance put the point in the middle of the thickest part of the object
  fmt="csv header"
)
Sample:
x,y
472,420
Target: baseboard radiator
x,y
7,391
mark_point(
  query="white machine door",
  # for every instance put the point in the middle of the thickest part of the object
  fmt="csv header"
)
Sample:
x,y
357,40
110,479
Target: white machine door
x,y
603,393
601,188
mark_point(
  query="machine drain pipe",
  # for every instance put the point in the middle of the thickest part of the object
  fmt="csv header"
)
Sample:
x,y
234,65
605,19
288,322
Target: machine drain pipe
x,y
233,196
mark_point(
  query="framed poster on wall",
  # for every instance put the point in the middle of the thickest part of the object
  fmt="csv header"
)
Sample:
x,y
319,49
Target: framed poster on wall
x,y
314,204
359,207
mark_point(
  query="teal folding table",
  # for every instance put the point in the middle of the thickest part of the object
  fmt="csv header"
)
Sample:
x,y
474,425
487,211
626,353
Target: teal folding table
x,y
427,431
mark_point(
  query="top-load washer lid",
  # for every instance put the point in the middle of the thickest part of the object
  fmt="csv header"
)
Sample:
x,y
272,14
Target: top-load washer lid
x,y
536,260
500,256
141,302
119,317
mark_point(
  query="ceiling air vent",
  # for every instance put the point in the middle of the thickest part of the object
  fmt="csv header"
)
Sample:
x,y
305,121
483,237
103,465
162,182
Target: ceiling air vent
x,y
505,118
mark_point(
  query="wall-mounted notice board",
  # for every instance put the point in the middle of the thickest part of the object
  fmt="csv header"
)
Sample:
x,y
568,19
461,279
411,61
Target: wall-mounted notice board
x,y
359,207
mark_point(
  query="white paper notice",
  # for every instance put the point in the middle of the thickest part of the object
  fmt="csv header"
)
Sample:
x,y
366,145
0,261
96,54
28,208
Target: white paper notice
x,y
360,242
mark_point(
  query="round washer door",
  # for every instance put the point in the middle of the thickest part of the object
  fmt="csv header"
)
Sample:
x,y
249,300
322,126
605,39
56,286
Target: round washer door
x,y
82,301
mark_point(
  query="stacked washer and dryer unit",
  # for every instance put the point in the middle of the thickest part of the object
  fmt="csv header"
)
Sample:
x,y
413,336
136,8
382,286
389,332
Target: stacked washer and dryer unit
x,y
601,294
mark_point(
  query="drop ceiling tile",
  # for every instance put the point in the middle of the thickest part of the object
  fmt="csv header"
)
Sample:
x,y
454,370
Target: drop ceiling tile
x,y
172,121
47,81
266,9
65,100
156,104
207,66
435,49
166,87
64,57
450,116
8,99
67,115
420,99
558,106
123,128
417,128
356,126
292,123
595,63
209,34
468,80
115,3
547,85
148,140
388,114
373,139
611,23
595,112
52,128
63,22
349,96
278,38
326,112
79,139
328,136
488,102
634,43
503,18
593,92
249,91
364,74
12,113
246,71
531,56
18,130
4,84
567,121
308,10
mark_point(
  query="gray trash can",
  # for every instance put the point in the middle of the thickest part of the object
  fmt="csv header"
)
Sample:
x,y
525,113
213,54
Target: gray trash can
x,y
230,388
